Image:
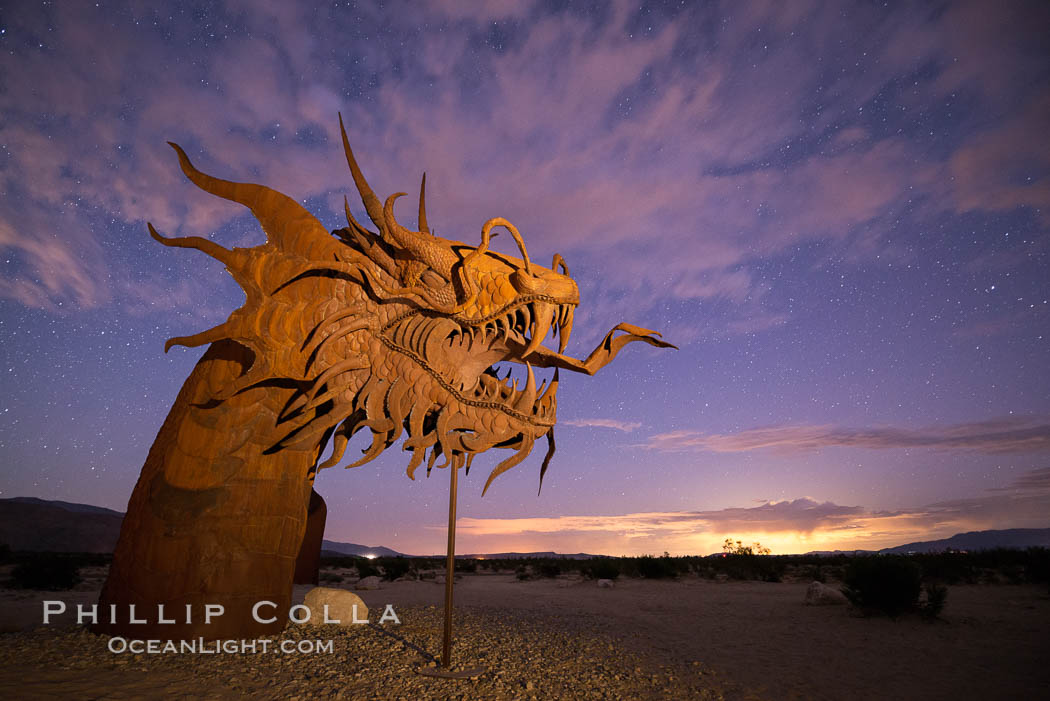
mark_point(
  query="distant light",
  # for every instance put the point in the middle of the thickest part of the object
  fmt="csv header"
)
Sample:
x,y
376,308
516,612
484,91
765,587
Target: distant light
x,y
371,557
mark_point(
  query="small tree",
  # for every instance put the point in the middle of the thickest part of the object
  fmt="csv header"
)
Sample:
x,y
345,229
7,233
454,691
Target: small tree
x,y
737,547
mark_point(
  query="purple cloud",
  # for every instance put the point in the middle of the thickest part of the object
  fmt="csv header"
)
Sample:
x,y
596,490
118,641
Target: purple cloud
x,y
625,426
1006,435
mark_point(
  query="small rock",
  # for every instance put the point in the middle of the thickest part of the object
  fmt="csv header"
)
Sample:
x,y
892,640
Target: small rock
x,y
340,604
367,583
605,584
818,594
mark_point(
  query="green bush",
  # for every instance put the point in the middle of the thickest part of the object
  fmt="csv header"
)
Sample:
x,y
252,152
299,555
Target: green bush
x,y
883,584
522,573
47,572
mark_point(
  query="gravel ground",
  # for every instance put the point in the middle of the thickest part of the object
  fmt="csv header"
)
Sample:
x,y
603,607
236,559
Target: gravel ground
x,y
526,657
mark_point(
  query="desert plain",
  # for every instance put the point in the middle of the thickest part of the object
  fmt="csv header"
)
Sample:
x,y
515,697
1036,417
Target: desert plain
x,y
565,637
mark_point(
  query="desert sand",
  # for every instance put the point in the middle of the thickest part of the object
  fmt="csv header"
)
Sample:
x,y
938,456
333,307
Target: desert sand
x,y
566,638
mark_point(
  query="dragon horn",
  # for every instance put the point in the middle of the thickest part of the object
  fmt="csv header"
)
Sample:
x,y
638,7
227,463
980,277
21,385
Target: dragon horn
x,y
286,223
371,202
500,221
423,206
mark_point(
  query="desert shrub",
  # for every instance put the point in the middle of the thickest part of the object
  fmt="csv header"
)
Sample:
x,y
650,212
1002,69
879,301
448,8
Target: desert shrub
x,y
47,572
1039,566
328,576
470,566
814,573
5,553
395,567
883,584
763,568
656,567
602,568
549,568
936,597
365,568
522,573
949,567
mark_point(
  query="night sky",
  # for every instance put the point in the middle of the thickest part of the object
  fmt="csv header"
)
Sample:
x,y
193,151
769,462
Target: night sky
x,y
839,212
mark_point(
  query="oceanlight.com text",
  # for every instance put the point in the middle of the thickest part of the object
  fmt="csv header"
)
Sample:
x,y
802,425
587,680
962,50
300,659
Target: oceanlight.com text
x,y
200,646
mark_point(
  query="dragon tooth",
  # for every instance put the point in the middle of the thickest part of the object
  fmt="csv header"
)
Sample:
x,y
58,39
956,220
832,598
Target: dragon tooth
x,y
541,321
545,397
528,395
566,329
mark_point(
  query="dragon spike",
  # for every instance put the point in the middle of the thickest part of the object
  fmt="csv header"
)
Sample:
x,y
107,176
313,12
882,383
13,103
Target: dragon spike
x,y
379,443
217,333
523,452
546,458
417,458
351,222
423,206
558,260
371,202
225,256
285,221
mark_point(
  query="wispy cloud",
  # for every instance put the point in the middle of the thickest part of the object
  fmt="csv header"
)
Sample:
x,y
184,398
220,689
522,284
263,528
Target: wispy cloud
x,y
1006,435
625,426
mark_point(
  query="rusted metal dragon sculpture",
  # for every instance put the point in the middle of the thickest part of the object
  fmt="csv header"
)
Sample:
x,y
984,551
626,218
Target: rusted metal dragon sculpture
x,y
396,331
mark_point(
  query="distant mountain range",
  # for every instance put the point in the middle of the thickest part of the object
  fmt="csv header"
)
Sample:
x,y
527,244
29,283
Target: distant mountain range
x,y
980,540
28,523
332,548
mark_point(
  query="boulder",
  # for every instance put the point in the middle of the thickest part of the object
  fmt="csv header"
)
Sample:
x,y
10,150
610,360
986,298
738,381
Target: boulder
x,y
340,604
605,584
367,583
818,594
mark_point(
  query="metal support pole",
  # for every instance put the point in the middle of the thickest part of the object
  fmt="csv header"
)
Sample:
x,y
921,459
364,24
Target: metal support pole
x,y
445,670
446,648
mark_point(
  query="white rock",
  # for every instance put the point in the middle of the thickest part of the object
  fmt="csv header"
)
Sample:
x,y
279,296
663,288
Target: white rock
x,y
367,583
340,604
605,584
818,594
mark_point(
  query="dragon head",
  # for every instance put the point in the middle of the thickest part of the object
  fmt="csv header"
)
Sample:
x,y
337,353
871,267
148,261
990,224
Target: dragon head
x,y
396,330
